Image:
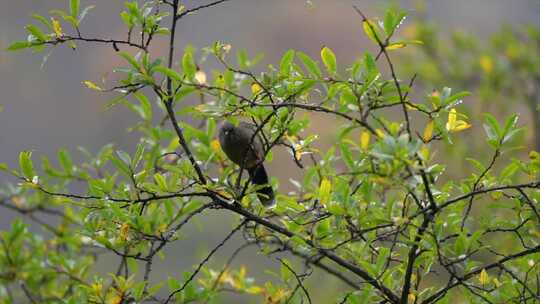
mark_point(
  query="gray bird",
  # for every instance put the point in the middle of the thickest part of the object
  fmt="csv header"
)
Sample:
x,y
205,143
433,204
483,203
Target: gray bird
x,y
247,151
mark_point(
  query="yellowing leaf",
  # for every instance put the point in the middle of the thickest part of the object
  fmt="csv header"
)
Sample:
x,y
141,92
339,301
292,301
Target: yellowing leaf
x,y
369,29
57,28
395,46
255,88
364,140
424,152
428,131
455,125
411,298
200,76
497,282
329,59
486,63
483,277
92,86
324,191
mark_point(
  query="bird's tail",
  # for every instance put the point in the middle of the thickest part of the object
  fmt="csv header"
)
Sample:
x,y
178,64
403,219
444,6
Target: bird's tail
x,y
258,176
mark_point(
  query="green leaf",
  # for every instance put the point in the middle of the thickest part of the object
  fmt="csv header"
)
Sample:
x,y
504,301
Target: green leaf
x,y
310,64
74,8
493,130
369,62
43,20
145,109
160,181
286,62
132,61
18,45
168,72
26,165
173,283
127,18
120,165
139,153
188,63
124,157
329,59
36,32
389,22
65,161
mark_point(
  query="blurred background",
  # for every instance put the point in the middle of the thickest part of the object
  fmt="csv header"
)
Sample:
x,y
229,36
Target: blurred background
x,y
45,106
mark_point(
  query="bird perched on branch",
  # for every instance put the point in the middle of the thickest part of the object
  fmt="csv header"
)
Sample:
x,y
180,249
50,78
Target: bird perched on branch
x,y
245,148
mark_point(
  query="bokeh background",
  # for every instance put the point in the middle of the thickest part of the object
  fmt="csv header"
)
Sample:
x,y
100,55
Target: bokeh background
x,y
45,106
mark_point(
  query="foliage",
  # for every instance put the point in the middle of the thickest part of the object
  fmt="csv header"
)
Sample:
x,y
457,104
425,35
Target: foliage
x,y
503,70
371,210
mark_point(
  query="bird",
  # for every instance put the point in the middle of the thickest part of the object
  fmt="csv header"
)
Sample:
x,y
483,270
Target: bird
x,y
246,149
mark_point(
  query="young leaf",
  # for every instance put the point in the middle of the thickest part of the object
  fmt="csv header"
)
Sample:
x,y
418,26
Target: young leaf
x,y
26,165
188,64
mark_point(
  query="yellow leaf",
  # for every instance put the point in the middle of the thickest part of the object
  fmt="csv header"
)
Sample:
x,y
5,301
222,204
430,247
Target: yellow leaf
x,y
255,88
411,298
486,63
483,277
200,76
395,46
380,133
455,125
298,151
92,86
124,230
496,195
114,299
215,146
364,140
255,290
428,131
497,282
461,125
324,191
57,28
411,106
97,288
224,194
